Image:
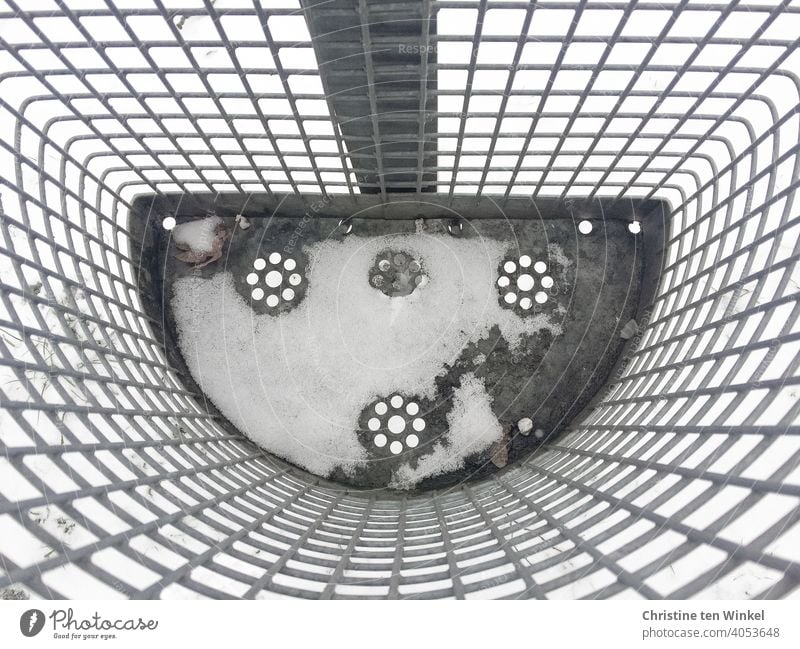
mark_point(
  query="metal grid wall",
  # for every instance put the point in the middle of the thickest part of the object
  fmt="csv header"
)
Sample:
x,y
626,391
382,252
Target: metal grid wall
x,y
684,481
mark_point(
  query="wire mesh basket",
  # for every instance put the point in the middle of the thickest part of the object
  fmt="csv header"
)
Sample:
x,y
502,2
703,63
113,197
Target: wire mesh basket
x,y
115,479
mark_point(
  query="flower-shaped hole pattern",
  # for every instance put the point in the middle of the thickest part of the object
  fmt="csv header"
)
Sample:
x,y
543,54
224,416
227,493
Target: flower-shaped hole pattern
x,y
525,284
396,273
275,281
393,425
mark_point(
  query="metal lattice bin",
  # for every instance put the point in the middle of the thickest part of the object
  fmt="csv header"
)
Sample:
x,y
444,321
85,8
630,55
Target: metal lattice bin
x,y
681,479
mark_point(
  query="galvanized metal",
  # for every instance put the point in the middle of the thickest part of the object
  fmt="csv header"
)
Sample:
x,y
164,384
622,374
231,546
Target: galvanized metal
x,y
681,481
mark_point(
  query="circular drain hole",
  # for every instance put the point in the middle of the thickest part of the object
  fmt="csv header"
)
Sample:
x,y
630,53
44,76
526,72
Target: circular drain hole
x,y
396,447
525,282
397,424
260,263
169,223
585,227
273,279
396,274
540,267
257,294
272,301
380,440
547,281
540,297
381,408
412,441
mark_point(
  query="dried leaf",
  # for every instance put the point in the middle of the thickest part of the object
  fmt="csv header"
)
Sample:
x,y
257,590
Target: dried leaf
x,y
630,329
498,452
191,257
201,259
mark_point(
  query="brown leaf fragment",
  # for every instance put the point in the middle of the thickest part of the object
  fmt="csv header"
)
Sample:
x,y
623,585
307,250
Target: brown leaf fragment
x,y
191,257
498,452
203,258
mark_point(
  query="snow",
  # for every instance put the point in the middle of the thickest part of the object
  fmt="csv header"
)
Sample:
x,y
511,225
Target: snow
x,y
556,254
473,427
297,383
197,235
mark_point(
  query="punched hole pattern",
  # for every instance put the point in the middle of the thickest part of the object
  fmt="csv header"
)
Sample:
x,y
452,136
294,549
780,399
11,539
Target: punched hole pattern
x,y
275,280
396,273
396,425
523,284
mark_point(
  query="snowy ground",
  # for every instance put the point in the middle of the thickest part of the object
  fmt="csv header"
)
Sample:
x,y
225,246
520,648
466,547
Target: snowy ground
x,y
296,384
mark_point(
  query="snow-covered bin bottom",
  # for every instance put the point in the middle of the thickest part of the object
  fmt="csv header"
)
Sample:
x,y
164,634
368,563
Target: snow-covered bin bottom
x,y
297,383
